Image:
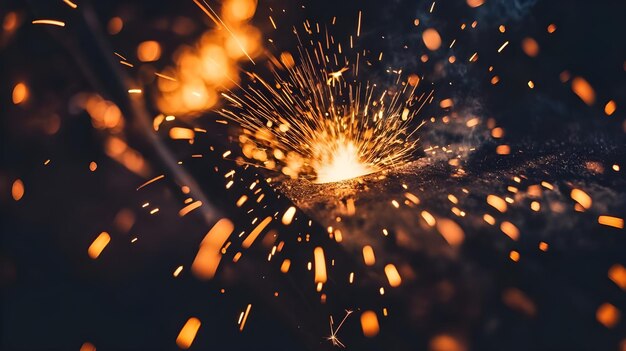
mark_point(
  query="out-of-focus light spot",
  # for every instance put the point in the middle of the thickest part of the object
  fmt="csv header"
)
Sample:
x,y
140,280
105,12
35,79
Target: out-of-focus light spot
x,y
608,315
583,89
445,103
497,202
530,47
17,190
20,93
543,246
617,273
444,342
551,28
531,84
368,255
535,206
510,229
392,275
149,51
188,333
475,3
497,132
431,39
450,231
581,197
93,166
610,108
87,346
284,267
115,25
503,150
429,218
369,324
514,256
209,255
95,249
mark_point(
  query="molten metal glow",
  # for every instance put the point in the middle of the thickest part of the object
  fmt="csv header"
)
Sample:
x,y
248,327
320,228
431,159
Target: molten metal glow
x,y
343,164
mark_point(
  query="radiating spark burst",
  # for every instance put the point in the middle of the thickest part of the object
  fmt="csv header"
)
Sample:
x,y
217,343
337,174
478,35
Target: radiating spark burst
x,y
333,332
319,120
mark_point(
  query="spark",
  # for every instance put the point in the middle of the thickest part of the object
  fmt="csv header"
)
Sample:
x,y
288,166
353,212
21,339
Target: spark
x,y
333,332
312,122
50,22
70,4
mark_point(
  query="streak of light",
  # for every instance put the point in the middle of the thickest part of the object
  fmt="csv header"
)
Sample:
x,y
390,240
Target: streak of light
x,y
497,203
192,206
510,229
50,22
255,233
245,317
611,221
208,257
151,181
70,4
96,247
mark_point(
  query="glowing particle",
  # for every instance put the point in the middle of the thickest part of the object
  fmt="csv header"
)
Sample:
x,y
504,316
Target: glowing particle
x,y
245,317
50,22
475,3
149,51
514,256
395,203
392,275
320,265
583,89
610,108
17,190
531,84
368,255
503,46
543,246
551,28
93,166
431,39
608,315
70,4
581,197
445,103
284,267
497,202
177,271
288,216
96,247
134,91
192,206
535,206
450,231
617,273
430,219
188,333
87,346
255,233
369,324
489,219
530,47
610,221
177,133
20,93
208,257
503,150
510,229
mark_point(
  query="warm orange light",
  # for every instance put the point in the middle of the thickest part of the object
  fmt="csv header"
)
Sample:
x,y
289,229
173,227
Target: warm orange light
x,y
530,47
510,229
608,315
20,93
431,39
497,202
95,249
450,231
368,255
581,197
320,265
369,324
208,257
392,275
17,190
255,233
188,333
583,89
149,51
611,221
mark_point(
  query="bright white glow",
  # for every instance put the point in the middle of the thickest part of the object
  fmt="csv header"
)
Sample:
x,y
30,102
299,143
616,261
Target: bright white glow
x,y
342,164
